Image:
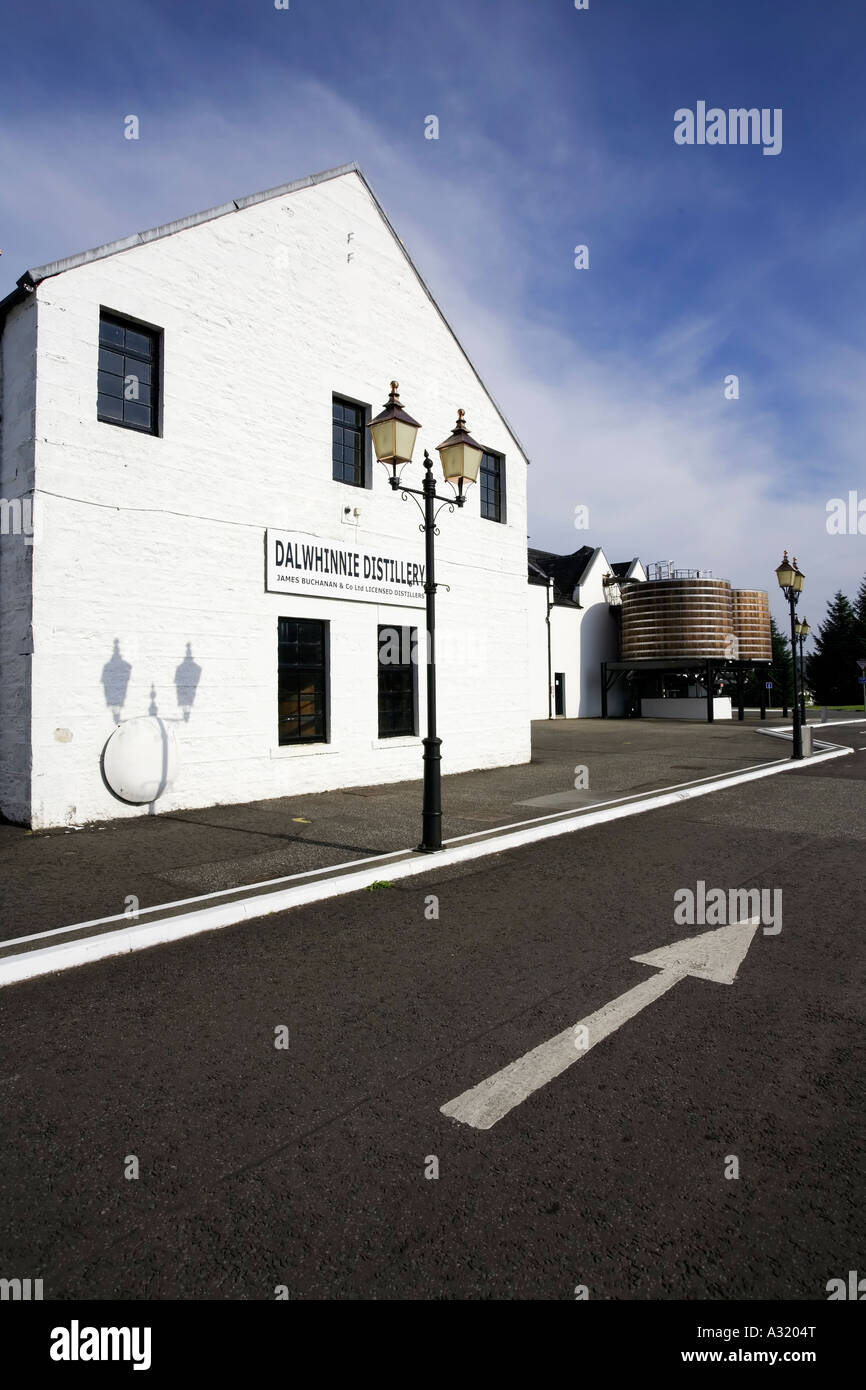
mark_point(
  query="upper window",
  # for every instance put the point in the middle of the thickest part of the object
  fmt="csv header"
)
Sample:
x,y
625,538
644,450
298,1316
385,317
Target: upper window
x,y
492,480
128,374
302,658
349,444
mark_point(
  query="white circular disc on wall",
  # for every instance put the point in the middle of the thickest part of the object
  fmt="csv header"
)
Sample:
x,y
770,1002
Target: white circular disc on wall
x,y
141,759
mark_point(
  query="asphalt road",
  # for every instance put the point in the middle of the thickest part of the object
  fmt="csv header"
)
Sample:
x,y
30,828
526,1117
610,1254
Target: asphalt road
x,y
307,1167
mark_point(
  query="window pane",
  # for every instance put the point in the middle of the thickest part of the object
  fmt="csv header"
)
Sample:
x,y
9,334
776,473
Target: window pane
x,y
110,333
109,406
136,414
140,343
111,361
108,385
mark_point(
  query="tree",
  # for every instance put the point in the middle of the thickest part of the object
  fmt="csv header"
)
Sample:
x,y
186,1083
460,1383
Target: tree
x,y
832,668
780,673
860,614
783,679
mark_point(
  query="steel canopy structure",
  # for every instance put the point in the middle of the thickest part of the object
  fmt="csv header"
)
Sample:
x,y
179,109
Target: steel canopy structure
x,y
706,669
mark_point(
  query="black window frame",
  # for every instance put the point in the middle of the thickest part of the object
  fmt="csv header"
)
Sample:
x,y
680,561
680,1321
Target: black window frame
x,y
130,354
302,669
408,637
496,511
338,398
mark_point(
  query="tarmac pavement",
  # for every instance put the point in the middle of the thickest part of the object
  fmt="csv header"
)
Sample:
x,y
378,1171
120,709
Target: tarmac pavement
x,y
326,1167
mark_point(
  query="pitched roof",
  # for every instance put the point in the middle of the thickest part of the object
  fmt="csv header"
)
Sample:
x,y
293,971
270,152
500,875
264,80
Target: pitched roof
x,y
566,571
31,278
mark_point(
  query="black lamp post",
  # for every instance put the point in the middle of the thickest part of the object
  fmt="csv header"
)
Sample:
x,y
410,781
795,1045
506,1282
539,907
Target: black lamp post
x,y
394,434
791,583
803,630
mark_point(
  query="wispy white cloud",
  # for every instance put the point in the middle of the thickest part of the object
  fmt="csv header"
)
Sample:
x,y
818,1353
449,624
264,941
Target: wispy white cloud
x,y
641,433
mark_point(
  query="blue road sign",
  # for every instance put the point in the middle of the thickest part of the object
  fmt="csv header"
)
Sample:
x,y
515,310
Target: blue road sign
x,y
769,685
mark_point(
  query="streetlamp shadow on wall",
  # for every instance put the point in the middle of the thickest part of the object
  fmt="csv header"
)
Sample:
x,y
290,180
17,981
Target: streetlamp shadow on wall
x,y
791,580
394,432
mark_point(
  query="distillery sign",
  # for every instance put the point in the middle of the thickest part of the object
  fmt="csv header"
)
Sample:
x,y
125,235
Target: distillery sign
x,y
300,565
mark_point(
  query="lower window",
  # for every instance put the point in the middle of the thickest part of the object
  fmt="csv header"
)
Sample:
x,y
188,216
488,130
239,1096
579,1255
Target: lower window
x,y
398,666
302,663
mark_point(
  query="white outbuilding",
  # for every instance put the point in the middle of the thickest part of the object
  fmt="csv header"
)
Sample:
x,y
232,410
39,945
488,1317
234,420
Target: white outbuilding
x,y
574,626
202,566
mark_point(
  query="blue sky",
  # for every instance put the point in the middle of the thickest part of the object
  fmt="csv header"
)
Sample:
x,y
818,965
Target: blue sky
x,y
555,129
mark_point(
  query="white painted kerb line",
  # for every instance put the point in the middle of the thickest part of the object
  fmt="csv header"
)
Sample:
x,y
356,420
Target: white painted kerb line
x,y
27,965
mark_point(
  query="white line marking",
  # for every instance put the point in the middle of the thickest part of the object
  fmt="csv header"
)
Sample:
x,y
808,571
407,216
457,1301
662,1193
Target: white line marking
x,y
29,964
207,897
379,859
714,955
813,724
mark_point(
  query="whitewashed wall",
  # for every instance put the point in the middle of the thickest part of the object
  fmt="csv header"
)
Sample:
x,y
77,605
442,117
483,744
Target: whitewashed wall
x,y
598,638
564,652
156,543
581,638
17,433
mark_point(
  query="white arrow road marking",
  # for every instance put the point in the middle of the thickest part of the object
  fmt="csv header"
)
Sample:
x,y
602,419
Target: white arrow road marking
x,y
714,955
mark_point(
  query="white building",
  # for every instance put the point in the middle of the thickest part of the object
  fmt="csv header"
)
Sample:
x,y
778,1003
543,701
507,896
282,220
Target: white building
x,y
573,628
213,549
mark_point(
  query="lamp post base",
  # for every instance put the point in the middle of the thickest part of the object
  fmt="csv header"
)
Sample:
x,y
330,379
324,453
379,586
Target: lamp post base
x,y
431,818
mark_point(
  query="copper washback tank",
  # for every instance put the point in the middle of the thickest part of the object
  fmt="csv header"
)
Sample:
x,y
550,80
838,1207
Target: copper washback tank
x,y
664,618
678,617
752,624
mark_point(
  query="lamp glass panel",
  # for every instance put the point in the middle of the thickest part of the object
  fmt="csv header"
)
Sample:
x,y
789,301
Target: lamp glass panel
x,y
460,461
452,461
384,438
471,462
405,436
